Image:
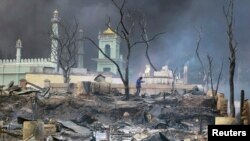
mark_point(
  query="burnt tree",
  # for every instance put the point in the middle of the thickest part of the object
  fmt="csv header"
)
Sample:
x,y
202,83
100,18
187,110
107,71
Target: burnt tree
x,y
218,80
144,37
204,71
174,71
67,47
128,31
232,45
210,72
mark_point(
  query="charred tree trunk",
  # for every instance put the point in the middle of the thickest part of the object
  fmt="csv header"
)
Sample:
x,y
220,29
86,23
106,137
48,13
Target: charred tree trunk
x,y
174,79
218,80
232,44
66,76
210,63
126,86
231,83
242,99
210,66
126,83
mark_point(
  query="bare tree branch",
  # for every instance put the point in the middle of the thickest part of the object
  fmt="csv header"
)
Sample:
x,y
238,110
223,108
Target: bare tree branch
x,y
67,48
197,49
149,40
122,36
121,12
205,73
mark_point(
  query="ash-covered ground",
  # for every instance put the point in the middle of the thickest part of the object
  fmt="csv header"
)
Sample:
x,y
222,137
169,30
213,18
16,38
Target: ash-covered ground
x,y
108,116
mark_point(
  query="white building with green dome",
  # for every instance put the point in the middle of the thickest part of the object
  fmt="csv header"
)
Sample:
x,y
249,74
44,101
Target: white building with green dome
x,y
109,42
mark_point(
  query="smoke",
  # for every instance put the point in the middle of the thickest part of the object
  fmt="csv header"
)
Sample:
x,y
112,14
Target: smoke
x,y
30,21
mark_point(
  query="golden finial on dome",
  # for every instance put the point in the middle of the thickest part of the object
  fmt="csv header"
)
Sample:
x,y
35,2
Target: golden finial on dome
x,y
108,30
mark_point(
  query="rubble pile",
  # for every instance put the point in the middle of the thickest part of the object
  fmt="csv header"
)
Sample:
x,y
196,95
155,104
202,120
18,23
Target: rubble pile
x,y
103,117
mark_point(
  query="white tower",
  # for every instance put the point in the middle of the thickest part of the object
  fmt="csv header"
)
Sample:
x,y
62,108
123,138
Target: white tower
x,y
54,43
80,53
185,74
18,50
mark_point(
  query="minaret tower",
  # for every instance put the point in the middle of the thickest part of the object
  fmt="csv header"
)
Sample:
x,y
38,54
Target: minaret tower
x,y
185,74
18,50
54,43
80,53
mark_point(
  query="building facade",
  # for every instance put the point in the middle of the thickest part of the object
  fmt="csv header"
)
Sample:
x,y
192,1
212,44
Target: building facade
x,y
109,42
164,76
16,69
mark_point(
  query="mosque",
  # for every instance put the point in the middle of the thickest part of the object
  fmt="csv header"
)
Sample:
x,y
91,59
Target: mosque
x,y
36,70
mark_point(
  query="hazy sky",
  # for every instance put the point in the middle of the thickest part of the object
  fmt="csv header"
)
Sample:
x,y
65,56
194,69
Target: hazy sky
x,y
30,21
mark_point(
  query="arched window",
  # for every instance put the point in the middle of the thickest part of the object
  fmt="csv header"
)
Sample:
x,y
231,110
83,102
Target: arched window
x,y
107,50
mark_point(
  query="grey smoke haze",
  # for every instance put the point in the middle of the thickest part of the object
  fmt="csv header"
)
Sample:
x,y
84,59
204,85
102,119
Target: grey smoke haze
x,y
30,21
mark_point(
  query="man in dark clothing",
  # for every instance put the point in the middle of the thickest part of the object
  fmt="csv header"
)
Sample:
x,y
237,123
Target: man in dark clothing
x,y
138,86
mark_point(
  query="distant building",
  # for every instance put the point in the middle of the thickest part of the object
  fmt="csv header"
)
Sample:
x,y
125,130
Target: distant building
x,y
109,42
163,76
16,69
